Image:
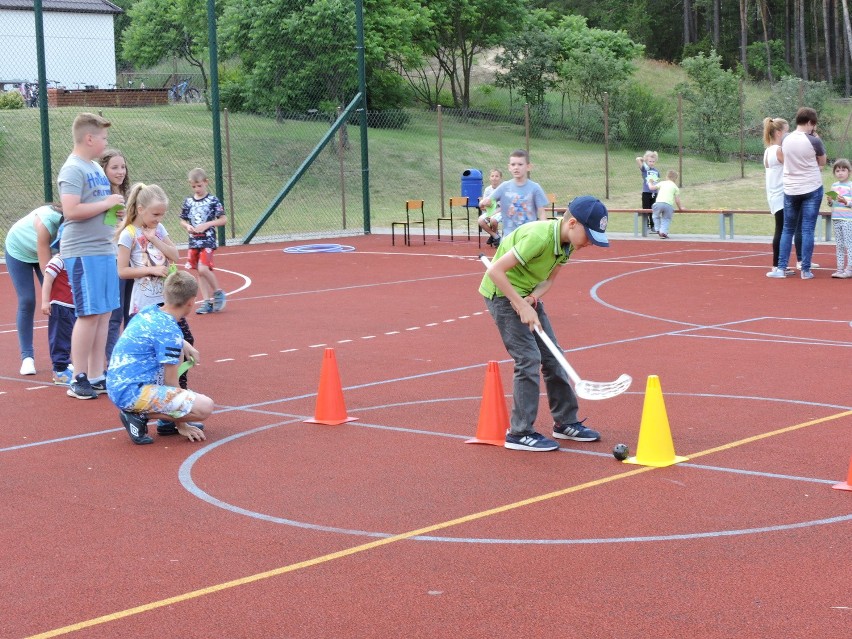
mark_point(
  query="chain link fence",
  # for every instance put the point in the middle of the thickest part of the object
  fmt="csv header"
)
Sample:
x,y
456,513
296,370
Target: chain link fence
x,y
162,123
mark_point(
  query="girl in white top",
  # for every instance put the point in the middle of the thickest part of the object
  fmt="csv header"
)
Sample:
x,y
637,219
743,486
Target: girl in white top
x,y
774,130
145,250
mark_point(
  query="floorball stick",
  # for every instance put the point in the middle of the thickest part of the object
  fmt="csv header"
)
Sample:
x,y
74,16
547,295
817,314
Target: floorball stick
x,y
583,387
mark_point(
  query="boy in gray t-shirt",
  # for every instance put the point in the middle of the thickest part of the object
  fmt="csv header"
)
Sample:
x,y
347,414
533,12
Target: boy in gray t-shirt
x,y
521,199
89,252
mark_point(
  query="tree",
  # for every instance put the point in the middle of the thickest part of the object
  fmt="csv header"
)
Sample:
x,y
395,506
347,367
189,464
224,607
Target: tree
x,y
592,63
163,28
461,29
713,112
529,63
298,56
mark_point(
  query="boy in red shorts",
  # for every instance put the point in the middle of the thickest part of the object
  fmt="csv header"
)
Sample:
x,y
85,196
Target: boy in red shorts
x,y
200,214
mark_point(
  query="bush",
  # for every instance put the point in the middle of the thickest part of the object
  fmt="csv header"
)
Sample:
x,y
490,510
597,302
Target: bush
x,y
232,88
11,100
637,115
757,64
789,93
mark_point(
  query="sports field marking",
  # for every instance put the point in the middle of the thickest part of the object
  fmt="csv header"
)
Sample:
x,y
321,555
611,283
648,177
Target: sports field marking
x,y
419,532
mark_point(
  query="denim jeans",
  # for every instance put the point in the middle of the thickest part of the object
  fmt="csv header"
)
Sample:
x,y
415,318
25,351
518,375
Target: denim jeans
x,y
532,360
800,209
22,279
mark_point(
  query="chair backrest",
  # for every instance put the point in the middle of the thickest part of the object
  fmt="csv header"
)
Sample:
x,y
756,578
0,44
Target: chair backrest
x,y
551,199
458,201
412,205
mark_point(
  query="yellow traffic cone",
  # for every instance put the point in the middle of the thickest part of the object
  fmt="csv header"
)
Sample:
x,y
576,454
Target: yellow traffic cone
x,y
655,446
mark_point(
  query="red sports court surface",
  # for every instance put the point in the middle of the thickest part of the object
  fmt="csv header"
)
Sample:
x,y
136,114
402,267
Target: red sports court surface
x,y
390,526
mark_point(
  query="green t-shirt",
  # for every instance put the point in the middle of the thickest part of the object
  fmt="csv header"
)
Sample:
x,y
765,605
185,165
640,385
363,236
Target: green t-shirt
x,y
22,239
538,248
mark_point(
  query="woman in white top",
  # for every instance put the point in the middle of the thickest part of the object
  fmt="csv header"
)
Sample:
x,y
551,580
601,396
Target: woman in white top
x,y
774,130
803,154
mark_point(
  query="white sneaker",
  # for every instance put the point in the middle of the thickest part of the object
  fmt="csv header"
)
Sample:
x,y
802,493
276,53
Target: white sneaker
x,y
776,273
28,366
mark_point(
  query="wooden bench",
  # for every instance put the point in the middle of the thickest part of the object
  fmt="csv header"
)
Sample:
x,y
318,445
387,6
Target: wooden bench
x,y
726,219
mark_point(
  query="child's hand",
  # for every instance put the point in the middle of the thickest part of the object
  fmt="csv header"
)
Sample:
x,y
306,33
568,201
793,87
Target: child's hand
x,y
45,309
112,200
190,352
192,433
484,203
159,271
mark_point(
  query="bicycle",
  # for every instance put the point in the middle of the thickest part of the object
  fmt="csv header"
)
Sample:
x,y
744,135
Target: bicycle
x,y
184,92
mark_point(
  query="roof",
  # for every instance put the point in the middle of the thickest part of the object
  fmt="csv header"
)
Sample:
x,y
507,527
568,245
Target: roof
x,y
68,6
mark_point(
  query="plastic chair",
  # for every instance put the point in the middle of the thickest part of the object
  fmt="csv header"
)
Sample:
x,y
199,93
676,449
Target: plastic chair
x,y
456,203
411,209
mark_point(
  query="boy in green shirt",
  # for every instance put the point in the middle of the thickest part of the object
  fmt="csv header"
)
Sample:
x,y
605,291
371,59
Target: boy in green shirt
x,y
523,270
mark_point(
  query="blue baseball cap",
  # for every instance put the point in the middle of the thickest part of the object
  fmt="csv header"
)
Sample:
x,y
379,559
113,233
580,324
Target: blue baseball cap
x,y
592,214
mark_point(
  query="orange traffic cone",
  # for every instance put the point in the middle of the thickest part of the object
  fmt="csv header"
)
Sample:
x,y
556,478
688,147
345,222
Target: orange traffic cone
x,y
847,485
331,409
493,414
655,446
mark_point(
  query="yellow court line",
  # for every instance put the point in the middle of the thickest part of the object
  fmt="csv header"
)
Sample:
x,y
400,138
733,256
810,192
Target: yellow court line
x,y
402,536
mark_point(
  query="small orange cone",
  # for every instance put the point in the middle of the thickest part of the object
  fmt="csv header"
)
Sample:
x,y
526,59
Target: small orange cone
x,y
847,485
493,414
655,446
331,409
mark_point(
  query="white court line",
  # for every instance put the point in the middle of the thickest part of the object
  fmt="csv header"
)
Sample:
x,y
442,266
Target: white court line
x,y
226,359
316,345
259,355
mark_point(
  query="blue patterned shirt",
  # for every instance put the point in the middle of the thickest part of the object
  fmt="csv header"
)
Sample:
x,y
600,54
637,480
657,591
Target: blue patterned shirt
x,y
151,340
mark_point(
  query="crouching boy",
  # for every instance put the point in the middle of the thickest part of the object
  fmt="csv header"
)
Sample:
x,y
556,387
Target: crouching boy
x,y
142,379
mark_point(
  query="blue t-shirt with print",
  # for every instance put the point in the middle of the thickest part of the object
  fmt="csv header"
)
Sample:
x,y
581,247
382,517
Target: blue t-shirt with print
x,y
519,203
151,340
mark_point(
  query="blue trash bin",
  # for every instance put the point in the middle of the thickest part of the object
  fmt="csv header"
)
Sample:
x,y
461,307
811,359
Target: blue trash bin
x,y
471,185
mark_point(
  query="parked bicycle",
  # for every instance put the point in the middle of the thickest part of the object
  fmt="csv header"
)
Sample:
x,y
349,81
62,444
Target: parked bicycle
x,y
184,92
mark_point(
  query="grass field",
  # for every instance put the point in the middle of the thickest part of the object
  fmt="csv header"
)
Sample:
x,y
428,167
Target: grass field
x,y
162,143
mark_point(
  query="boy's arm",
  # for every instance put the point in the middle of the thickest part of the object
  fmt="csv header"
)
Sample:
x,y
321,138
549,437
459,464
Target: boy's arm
x,y
46,289
75,210
497,272
170,374
640,161
677,201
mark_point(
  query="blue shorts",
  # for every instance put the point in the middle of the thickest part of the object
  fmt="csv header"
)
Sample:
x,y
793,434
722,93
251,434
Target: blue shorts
x,y
94,284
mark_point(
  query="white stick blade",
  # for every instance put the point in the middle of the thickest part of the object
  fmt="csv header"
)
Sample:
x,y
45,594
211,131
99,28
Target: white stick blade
x,y
602,390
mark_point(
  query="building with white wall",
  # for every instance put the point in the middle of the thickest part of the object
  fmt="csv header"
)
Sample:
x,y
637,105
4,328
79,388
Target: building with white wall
x,y
79,42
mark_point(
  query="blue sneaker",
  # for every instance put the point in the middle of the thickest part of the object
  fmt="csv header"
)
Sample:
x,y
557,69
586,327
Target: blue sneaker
x,y
218,300
63,378
807,275
529,441
576,432
205,308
